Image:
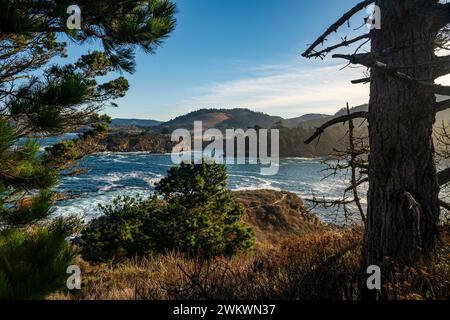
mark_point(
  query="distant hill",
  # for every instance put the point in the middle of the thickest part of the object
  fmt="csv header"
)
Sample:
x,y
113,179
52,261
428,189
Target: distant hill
x,y
292,131
236,118
295,122
245,118
343,111
223,119
134,123
134,135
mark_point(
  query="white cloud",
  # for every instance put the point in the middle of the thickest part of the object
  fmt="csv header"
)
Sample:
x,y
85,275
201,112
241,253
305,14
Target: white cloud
x,y
286,90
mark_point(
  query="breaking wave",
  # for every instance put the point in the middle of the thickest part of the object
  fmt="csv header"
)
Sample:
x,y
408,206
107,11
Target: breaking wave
x,y
109,175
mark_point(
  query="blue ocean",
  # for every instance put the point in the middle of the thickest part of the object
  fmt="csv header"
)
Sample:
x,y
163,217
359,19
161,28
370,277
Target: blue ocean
x,y
110,175
107,176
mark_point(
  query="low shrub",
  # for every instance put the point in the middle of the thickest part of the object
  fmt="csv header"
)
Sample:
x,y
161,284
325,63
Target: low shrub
x,y
323,266
34,260
118,232
197,216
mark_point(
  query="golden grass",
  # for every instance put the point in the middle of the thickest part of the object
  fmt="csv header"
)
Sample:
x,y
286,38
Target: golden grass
x,y
311,267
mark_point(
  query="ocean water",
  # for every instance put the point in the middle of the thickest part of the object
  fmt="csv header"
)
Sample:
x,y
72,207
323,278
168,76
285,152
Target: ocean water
x,y
110,175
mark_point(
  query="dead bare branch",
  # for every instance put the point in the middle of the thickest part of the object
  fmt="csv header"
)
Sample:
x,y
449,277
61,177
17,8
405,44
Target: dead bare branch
x,y
443,177
344,43
441,106
353,159
444,205
309,53
367,60
363,80
342,119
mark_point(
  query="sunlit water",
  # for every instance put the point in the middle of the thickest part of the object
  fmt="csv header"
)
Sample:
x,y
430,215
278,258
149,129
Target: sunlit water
x,y
111,175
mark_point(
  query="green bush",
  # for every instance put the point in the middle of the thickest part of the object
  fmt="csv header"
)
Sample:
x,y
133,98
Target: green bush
x,y
197,215
118,233
34,260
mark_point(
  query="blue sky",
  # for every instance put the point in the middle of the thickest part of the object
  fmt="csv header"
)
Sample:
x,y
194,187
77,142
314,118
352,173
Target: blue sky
x,y
243,53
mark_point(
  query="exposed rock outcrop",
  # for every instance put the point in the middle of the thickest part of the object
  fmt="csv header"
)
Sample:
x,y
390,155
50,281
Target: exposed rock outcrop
x,y
123,141
277,215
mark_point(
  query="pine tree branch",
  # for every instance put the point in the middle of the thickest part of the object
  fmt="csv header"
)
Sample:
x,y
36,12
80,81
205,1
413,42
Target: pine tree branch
x,y
443,177
344,43
444,205
357,184
363,80
441,66
441,106
441,15
309,53
353,160
367,60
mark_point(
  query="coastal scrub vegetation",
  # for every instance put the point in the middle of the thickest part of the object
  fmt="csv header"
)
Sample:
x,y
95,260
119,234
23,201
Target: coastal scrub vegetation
x,y
318,266
315,262
196,215
190,239
40,98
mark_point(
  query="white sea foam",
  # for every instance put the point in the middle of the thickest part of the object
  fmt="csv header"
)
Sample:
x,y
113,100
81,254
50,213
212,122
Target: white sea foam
x,y
153,181
108,153
301,158
263,184
87,207
113,180
114,174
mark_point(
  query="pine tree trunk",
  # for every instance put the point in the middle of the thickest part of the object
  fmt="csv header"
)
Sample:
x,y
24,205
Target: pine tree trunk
x,y
402,169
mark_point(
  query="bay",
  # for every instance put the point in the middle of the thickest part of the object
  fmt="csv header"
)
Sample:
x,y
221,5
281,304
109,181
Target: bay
x,y
110,175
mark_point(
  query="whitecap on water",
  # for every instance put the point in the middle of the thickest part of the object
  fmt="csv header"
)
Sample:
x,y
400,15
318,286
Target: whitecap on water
x,y
112,174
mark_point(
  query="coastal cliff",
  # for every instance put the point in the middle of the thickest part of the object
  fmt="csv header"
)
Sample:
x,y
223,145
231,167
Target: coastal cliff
x,y
291,142
123,141
276,216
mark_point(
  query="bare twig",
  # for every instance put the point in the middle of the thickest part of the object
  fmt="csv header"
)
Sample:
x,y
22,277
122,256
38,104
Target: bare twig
x,y
335,26
342,119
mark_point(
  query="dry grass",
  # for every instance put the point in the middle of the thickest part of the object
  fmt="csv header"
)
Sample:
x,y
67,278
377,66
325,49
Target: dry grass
x,y
312,267
426,280
290,272
277,215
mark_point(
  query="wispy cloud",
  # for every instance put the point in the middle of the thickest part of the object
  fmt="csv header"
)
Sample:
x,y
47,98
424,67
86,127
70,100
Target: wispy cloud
x,y
288,90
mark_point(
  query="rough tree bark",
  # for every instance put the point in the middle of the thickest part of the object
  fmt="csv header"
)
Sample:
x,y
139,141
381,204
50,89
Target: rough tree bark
x,y
401,118
403,205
